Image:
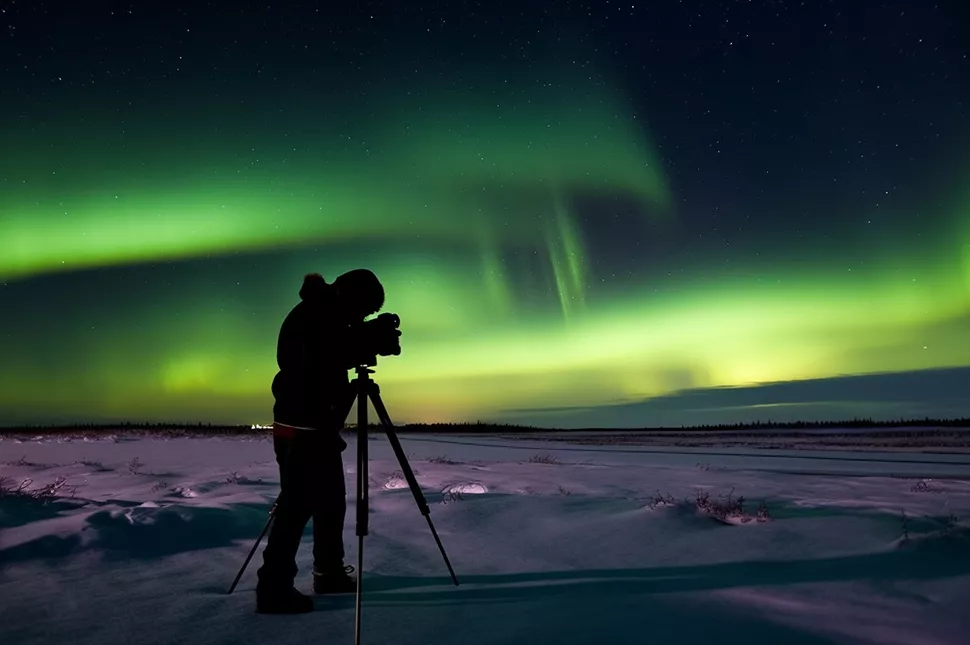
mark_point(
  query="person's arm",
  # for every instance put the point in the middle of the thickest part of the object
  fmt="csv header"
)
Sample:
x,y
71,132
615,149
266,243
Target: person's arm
x,y
329,345
327,353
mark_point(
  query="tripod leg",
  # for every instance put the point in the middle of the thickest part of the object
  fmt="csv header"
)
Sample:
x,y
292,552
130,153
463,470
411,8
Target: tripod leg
x,y
272,512
362,499
408,474
343,411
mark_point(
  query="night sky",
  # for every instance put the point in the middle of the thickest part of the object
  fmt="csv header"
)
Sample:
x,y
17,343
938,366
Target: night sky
x,y
585,213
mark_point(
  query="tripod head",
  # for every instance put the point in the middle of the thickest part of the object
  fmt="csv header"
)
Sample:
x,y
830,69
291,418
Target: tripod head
x,y
363,373
365,362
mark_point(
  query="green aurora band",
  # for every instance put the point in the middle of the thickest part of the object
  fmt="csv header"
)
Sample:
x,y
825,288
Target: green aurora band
x,y
441,197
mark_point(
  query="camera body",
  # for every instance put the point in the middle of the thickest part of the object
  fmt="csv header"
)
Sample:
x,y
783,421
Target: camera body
x,y
378,337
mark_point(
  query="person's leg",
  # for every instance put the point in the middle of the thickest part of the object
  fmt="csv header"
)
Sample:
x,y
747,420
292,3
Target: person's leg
x,y
329,512
293,511
330,575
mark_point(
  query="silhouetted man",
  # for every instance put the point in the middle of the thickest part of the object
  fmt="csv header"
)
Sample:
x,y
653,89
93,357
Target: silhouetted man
x,y
311,391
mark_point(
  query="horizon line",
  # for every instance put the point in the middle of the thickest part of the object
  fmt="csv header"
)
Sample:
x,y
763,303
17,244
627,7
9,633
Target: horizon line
x,y
766,424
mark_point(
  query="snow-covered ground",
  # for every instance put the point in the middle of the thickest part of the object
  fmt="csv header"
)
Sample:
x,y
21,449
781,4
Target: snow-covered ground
x,y
552,543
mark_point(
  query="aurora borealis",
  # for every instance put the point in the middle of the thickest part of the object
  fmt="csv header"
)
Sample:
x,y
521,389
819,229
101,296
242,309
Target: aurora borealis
x,y
577,211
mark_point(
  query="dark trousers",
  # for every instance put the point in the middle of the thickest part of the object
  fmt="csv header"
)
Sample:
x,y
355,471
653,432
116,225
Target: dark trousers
x,y
311,486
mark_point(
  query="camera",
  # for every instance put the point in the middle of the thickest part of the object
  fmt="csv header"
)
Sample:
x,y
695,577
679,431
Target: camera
x,y
378,337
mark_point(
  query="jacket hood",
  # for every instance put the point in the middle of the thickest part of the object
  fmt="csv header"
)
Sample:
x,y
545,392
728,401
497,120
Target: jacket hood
x,y
314,287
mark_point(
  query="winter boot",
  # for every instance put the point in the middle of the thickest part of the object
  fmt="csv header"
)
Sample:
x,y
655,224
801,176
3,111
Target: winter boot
x,y
287,601
335,581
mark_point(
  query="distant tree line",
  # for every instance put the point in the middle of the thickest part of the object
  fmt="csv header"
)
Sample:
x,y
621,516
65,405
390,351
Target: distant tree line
x,y
475,427
852,423
755,425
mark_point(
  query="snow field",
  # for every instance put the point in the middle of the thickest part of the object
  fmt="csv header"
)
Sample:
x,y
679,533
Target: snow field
x,y
551,543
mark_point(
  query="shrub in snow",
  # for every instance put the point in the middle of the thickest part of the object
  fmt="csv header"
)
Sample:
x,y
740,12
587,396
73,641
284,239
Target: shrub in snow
x,y
23,462
44,494
185,491
395,483
729,510
544,459
923,486
135,465
763,514
452,496
661,500
9,489
467,488
97,465
457,492
948,530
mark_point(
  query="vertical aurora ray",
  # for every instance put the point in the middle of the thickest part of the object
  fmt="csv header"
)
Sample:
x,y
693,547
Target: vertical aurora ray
x,y
966,262
565,256
963,217
572,249
494,275
554,258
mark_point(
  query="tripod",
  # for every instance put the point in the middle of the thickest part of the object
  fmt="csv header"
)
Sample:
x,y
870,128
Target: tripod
x,y
363,387
366,387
